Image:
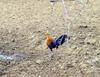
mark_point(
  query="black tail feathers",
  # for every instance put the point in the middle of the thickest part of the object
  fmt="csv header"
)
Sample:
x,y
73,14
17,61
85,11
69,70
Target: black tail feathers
x,y
61,39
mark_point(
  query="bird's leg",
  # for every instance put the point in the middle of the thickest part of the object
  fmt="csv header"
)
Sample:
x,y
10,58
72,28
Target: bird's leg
x,y
51,49
56,47
50,54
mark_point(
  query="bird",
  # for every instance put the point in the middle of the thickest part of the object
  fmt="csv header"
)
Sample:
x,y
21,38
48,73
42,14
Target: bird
x,y
60,40
52,43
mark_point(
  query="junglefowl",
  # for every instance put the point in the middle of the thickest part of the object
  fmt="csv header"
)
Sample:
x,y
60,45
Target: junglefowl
x,y
54,43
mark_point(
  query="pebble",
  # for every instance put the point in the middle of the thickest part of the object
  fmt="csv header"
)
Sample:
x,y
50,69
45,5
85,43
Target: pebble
x,y
38,61
90,41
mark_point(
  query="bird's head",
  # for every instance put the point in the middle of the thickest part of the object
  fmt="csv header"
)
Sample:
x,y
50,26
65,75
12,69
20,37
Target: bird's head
x,y
47,34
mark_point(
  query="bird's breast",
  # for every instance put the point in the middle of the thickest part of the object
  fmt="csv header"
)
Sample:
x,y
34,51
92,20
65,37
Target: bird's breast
x,y
49,41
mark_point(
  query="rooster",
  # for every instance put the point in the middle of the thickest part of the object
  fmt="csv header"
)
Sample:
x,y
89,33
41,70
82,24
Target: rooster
x,y
50,42
54,43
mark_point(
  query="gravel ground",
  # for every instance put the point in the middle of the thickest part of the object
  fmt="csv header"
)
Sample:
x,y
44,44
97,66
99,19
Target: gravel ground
x,y
23,24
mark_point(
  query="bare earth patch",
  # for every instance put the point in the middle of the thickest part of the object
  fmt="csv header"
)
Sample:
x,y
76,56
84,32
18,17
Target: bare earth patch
x,y
23,24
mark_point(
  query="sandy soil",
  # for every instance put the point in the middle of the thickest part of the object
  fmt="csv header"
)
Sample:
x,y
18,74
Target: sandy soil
x,y
22,27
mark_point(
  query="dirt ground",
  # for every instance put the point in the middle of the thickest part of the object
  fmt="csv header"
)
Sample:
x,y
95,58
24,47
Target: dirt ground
x,y
23,24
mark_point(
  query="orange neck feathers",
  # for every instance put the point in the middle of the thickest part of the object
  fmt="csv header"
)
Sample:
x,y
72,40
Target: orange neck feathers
x,y
49,39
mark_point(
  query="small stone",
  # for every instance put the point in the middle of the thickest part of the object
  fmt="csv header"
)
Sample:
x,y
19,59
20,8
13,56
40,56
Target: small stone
x,y
69,66
39,61
62,66
53,0
83,26
13,48
90,41
54,69
95,62
39,76
74,47
83,65
13,40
